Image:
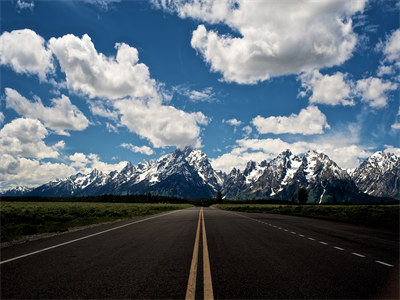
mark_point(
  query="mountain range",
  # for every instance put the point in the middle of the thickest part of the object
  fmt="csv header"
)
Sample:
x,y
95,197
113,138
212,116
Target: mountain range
x,y
188,173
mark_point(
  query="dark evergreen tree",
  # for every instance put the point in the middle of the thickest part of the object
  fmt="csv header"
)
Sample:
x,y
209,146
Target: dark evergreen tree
x,y
302,195
218,197
333,198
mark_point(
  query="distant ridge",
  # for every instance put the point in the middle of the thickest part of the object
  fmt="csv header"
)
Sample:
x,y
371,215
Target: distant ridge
x,y
188,173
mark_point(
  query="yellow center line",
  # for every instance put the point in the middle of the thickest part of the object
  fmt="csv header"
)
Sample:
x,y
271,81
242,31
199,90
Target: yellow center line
x,y
191,287
208,290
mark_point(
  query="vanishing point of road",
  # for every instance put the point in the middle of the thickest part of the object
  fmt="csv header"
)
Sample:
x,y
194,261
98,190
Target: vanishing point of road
x,y
207,253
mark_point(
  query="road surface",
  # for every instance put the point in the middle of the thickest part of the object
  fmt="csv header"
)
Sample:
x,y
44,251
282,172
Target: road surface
x,y
207,253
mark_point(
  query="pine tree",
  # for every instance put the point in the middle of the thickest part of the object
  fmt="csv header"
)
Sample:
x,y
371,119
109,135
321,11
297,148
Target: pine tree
x,y
302,195
218,197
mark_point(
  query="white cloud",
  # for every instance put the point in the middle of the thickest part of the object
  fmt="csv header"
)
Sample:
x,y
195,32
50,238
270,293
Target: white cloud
x,y
310,120
374,91
30,172
1,117
96,75
96,163
247,130
233,122
23,4
104,4
61,116
327,89
392,149
396,124
79,160
339,89
102,109
24,137
391,52
342,146
203,95
162,125
86,163
385,70
24,51
392,48
122,76
273,38
143,149
111,128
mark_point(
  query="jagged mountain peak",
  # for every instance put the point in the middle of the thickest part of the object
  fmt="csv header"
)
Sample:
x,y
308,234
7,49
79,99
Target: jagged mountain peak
x,y
379,175
188,173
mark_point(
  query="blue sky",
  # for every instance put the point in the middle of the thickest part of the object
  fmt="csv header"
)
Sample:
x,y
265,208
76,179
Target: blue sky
x,y
95,83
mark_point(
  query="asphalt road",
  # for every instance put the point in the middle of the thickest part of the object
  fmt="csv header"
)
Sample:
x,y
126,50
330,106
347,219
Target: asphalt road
x,y
248,256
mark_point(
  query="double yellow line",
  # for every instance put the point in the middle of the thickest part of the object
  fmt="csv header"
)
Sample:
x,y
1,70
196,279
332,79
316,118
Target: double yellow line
x,y
191,287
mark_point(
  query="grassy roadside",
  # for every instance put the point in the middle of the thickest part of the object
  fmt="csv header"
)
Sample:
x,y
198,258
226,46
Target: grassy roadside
x,y
25,218
385,216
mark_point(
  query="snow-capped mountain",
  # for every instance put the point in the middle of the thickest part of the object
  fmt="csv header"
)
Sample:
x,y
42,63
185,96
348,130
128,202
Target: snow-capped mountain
x,y
72,186
379,175
17,191
188,173
182,173
283,176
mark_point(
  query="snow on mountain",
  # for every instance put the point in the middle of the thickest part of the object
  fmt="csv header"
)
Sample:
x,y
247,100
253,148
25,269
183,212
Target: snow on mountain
x,y
188,173
182,173
17,191
284,175
379,175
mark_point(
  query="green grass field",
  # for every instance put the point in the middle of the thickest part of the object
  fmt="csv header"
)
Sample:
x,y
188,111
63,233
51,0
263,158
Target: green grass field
x,y
26,218
385,216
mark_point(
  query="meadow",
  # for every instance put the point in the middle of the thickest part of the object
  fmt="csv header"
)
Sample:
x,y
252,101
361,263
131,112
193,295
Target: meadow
x,y
383,216
26,218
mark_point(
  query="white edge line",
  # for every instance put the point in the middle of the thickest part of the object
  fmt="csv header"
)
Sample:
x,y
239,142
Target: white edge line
x,y
357,254
84,237
383,263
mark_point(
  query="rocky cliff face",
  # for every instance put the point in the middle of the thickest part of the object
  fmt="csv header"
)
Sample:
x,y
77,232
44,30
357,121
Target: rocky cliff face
x,y
283,176
379,175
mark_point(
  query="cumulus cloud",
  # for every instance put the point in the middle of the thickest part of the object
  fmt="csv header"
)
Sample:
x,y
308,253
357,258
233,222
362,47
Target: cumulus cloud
x,y
392,149
339,89
130,96
61,116
86,163
97,75
391,48
30,172
334,89
271,38
143,149
233,122
310,120
24,137
25,52
374,91
391,54
342,146
162,125
1,117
